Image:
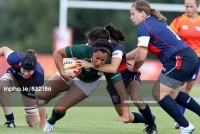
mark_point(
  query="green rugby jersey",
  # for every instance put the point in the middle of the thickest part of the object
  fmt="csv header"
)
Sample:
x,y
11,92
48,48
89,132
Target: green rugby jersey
x,y
84,52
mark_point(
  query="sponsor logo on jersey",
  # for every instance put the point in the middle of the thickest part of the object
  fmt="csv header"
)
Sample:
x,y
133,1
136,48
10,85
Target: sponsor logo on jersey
x,y
185,27
194,76
100,73
115,53
163,69
197,28
19,73
87,69
114,98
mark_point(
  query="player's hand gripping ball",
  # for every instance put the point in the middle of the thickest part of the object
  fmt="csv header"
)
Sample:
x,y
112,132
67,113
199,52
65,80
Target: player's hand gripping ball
x,y
71,68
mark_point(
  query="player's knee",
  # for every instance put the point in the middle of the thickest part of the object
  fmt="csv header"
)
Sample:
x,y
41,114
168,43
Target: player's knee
x,y
156,94
42,102
61,110
187,90
41,95
141,106
5,84
44,95
31,124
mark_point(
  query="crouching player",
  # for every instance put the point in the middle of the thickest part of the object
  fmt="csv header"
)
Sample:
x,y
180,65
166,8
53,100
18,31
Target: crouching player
x,y
24,72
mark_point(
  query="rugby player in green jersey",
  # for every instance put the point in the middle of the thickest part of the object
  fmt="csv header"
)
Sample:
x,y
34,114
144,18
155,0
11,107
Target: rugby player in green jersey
x,y
85,83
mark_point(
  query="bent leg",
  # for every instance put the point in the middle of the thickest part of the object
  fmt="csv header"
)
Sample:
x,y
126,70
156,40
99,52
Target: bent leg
x,y
31,111
5,97
55,85
161,94
189,86
7,82
43,116
136,95
71,98
133,117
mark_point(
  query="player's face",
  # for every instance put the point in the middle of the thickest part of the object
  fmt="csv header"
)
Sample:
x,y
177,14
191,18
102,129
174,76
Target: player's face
x,y
26,73
99,58
136,17
191,7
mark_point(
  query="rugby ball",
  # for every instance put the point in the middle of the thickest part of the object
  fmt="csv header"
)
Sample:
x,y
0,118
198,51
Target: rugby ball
x,y
71,68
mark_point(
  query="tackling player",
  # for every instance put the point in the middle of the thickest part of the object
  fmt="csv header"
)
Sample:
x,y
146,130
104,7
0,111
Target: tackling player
x,y
179,61
85,83
131,79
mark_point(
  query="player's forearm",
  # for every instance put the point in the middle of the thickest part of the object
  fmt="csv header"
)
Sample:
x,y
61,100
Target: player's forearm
x,y
140,57
137,65
112,67
131,55
108,68
58,59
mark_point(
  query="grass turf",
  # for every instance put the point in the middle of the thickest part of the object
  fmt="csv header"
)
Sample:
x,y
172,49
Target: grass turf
x,y
99,120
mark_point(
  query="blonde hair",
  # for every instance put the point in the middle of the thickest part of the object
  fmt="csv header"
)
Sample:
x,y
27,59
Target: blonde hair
x,y
142,5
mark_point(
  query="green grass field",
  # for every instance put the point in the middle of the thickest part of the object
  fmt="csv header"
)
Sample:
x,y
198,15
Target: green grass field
x,y
100,120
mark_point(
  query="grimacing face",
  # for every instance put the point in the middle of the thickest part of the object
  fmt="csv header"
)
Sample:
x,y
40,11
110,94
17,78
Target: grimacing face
x,y
26,73
99,58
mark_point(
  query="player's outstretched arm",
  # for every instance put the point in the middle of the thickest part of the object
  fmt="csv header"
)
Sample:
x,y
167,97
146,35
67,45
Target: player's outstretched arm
x,y
4,51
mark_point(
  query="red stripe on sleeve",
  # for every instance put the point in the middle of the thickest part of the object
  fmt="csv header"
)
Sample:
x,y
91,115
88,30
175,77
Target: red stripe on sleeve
x,y
178,62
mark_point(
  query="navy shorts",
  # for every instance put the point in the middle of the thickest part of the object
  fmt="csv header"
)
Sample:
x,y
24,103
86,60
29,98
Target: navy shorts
x,y
127,78
194,77
179,68
29,92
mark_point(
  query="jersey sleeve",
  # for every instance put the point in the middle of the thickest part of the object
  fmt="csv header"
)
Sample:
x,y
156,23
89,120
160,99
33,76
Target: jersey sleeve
x,y
114,77
14,58
118,52
143,41
174,25
143,36
78,51
38,76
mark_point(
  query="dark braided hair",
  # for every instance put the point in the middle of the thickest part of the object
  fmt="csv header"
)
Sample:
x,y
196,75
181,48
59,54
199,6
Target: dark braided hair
x,y
108,32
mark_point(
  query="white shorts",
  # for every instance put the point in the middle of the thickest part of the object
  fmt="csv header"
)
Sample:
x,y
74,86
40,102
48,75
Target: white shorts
x,y
87,88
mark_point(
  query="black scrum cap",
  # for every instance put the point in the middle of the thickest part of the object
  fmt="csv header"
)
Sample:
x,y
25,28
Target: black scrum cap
x,y
29,62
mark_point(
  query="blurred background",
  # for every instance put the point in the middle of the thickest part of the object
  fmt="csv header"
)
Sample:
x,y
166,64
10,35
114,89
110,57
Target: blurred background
x,y
35,24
